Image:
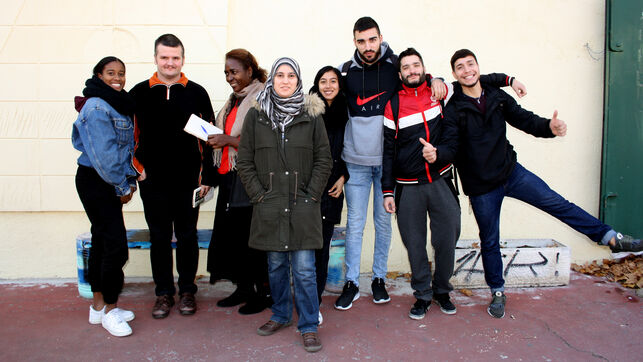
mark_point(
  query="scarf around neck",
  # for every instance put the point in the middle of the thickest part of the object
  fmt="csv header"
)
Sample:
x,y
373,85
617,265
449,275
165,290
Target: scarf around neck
x,y
281,111
121,101
244,97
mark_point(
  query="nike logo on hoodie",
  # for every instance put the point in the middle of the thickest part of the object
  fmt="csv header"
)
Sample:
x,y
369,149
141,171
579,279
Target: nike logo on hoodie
x,y
361,102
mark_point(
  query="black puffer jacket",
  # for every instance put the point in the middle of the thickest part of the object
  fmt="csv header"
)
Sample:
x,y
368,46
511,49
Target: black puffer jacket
x,y
335,119
478,142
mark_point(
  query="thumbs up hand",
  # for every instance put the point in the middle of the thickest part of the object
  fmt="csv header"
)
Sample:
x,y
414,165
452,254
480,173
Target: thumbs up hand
x,y
429,152
557,126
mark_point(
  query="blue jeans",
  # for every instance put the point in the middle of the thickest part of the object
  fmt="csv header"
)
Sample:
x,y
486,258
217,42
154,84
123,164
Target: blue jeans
x,y
525,186
302,264
357,190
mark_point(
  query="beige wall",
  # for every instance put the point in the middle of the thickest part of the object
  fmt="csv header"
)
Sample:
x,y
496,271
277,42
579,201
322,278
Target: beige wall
x,y
47,50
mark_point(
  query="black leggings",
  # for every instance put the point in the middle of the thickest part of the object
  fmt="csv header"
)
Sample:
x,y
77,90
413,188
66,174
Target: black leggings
x,y
108,253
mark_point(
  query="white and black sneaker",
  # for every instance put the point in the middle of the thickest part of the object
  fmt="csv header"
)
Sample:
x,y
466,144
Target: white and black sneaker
x,y
350,293
444,301
626,243
379,291
497,306
419,309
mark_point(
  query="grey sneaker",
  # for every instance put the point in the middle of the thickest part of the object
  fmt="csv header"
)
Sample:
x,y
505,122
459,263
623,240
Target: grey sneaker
x,y
626,243
497,306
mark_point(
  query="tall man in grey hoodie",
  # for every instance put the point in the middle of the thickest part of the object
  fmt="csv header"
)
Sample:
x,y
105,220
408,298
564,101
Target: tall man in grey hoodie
x,y
371,80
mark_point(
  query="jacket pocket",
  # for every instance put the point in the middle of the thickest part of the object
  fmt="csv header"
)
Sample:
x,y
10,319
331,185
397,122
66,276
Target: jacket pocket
x,y
124,130
306,222
265,223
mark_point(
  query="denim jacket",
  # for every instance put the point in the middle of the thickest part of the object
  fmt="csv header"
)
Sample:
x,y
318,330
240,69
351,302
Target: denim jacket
x,y
106,140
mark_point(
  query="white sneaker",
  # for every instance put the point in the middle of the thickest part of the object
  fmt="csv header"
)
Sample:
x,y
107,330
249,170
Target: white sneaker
x,y
96,316
115,325
321,319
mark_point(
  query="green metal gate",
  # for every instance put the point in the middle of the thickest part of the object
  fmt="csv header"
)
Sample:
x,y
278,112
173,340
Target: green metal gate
x,y
622,167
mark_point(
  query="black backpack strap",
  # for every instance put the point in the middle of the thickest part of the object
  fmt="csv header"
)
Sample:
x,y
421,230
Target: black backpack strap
x,y
345,67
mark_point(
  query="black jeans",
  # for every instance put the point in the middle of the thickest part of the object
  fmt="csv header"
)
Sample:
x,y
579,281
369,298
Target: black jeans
x,y
321,257
108,253
169,208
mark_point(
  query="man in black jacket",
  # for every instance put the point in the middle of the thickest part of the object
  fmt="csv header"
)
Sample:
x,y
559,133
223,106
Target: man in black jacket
x,y
475,137
413,184
170,165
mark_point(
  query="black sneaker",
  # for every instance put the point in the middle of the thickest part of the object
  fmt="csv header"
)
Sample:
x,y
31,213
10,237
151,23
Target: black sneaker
x,y
379,291
444,301
350,293
419,309
626,243
497,306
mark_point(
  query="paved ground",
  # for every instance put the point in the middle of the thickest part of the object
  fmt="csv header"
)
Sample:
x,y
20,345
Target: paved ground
x,y
589,320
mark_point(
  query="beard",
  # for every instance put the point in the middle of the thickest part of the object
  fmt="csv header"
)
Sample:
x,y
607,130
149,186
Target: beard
x,y
376,57
414,84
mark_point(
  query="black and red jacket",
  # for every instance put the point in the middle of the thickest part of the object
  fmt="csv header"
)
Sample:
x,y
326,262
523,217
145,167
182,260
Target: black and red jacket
x,y
417,116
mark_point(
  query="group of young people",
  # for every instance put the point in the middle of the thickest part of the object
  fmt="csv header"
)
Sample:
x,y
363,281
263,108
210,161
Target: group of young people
x,y
283,163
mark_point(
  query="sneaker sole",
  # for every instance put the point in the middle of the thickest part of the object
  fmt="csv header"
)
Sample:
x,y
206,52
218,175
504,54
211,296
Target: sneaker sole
x,y
488,311
339,307
119,334
449,312
381,301
446,311
416,317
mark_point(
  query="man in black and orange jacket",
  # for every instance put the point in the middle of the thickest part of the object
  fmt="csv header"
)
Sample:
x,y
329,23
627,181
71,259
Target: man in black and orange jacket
x,y
170,165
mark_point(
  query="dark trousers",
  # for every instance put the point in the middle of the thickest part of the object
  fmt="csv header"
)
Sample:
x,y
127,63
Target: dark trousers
x,y
321,257
525,186
108,253
229,256
169,208
440,203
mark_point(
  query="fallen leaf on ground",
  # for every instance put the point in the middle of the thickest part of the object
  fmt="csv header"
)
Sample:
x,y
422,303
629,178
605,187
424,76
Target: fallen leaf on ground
x,y
466,292
627,271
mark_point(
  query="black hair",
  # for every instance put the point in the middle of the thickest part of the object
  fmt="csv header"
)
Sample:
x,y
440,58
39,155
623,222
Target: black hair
x,y
248,61
407,53
169,40
365,23
461,54
100,66
329,68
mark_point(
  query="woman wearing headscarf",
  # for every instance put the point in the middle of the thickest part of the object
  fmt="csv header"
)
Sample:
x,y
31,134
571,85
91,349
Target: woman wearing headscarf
x,y
328,85
229,256
105,180
284,162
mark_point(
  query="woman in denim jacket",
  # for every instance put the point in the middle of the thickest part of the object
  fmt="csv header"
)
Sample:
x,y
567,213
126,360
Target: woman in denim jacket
x,y
105,180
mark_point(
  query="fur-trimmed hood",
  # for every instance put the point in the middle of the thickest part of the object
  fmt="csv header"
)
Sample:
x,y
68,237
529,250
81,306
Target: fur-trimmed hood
x,y
313,105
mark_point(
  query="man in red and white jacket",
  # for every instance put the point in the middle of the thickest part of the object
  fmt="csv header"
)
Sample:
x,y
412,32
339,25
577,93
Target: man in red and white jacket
x,y
413,183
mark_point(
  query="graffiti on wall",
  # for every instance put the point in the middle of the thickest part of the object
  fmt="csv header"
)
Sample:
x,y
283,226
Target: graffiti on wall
x,y
470,264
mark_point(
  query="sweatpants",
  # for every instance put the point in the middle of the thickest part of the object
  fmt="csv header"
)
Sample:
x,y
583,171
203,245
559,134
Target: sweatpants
x,y
440,203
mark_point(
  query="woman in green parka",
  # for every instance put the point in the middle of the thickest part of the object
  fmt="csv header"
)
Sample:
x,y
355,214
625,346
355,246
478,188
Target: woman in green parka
x,y
284,162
